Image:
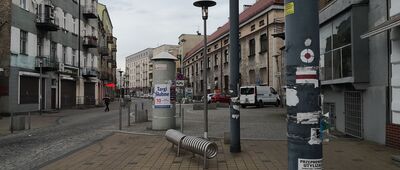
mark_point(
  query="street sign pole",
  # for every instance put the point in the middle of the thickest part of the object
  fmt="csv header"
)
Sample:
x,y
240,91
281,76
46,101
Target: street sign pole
x,y
234,75
303,86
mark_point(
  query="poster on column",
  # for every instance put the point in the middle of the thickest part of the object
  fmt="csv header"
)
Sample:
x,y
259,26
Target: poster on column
x,y
162,96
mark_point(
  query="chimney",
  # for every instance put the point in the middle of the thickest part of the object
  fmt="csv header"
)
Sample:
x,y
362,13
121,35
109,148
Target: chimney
x,y
246,7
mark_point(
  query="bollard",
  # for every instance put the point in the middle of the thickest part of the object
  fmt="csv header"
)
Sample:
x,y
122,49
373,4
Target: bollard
x,y
11,123
129,115
30,120
182,118
136,113
120,116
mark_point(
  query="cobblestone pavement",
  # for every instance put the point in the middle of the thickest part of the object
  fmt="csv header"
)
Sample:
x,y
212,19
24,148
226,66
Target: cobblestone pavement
x,y
129,151
67,131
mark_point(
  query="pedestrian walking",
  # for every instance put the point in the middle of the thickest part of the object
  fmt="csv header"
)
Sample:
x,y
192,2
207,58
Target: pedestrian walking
x,y
106,102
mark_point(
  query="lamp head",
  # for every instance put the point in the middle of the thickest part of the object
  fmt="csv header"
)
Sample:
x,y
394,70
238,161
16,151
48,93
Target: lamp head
x,y
204,4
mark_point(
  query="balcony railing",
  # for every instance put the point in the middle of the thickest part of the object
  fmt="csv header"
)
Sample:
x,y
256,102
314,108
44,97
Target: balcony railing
x,y
46,23
90,11
90,72
90,41
114,48
46,63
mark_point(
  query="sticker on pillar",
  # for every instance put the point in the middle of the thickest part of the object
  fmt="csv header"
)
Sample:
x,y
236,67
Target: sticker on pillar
x,y
307,75
309,164
308,118
307,56
292,99
289,8
162,96
235,116
315,137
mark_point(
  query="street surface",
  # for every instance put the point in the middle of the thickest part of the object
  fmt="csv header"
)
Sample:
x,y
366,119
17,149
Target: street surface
x,y
75,129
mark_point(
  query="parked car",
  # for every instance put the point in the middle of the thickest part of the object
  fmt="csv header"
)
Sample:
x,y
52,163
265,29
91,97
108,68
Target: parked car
x,y
221,98
209,96
258,96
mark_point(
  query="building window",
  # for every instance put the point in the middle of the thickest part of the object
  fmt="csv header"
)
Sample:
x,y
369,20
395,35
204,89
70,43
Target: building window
x,y
39,46
263,43
74,25
65,21
216,60
226,56
74,57
335,44
53,50
252,48
226,41
64,54
253,27
216,46
23,4
23,42
261,23
29,90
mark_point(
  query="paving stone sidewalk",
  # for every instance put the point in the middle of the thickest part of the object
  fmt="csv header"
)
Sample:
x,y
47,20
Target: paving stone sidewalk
x,y
139,151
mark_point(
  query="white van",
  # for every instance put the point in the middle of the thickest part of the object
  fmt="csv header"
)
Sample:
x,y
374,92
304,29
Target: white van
x,y
258,96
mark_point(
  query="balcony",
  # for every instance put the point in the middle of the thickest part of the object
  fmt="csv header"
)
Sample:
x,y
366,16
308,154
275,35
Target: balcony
x,y
46,63
110,38
45,19
90,12
90,41
89,72
104,51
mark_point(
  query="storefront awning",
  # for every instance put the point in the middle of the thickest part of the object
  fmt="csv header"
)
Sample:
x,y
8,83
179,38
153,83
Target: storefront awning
x,y
389,24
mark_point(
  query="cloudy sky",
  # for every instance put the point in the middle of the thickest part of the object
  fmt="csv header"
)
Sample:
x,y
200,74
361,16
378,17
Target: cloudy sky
x,y
139,24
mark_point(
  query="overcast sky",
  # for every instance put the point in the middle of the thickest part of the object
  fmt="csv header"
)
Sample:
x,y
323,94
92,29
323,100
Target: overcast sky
x,y
140,24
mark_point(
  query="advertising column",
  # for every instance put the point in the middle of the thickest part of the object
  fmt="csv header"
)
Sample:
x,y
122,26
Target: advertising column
x,y
163,85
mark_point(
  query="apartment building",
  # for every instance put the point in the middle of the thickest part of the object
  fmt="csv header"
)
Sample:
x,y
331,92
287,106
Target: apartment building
x,y
108,54
391,27
138,68
354,71
261,61
49,54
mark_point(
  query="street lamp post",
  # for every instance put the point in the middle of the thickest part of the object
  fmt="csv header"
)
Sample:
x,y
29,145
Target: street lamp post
x,y
40,83
120,100
204,4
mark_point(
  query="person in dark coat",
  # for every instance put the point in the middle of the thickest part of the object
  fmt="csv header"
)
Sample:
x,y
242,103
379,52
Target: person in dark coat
x,y
106,102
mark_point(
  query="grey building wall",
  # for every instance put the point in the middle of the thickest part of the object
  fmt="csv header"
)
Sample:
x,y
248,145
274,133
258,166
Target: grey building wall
x,y
375,97
370,67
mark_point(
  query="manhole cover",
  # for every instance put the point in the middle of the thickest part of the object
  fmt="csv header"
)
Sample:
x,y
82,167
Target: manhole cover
x,y
113,148
132,163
